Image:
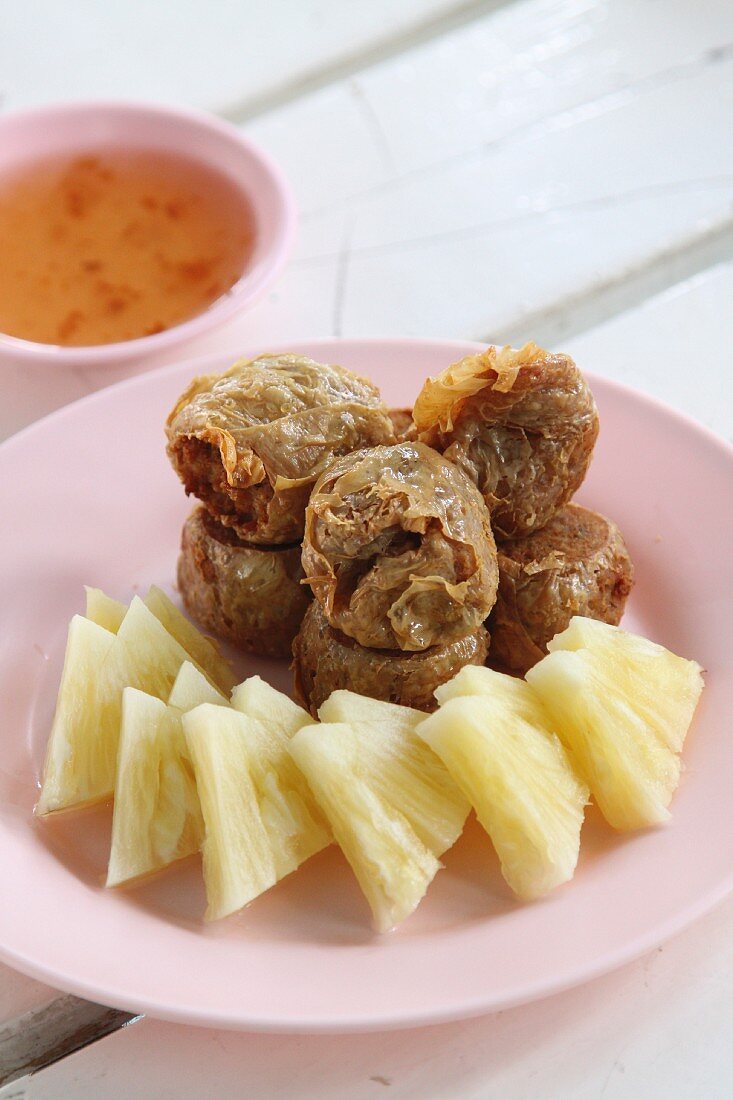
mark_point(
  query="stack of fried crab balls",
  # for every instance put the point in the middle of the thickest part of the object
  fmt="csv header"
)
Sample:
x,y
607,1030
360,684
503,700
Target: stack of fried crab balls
x,y
388,548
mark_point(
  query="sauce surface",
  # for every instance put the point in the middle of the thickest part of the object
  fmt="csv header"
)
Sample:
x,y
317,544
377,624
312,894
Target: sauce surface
x,y
113,245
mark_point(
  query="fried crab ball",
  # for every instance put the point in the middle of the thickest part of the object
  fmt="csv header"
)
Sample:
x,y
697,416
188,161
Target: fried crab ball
x,y
250,595
398,549
521,424
325,659
577,564
250,443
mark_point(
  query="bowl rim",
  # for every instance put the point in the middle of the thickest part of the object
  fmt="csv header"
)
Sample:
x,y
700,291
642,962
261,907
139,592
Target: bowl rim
x,y
245,291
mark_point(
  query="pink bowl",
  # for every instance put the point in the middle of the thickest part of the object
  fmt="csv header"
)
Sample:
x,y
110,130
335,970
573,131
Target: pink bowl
x,y
77,127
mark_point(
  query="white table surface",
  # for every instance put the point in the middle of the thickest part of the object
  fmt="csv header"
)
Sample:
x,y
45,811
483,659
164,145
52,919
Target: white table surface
x,y
560,170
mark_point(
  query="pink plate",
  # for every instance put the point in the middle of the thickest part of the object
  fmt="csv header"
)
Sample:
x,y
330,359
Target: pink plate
x,y
87,496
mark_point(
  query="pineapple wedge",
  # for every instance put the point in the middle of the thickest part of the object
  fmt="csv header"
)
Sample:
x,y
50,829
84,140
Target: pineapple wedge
x,y
109,613
276,713
496,742
400,768
191,688
73,757
392,865
260,818
201,649
477,680
157,816
622,705
275,710
103,610
81,758
665,688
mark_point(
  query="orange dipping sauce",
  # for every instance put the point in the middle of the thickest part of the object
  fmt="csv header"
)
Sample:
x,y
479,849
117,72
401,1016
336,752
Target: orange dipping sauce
x,y
114,245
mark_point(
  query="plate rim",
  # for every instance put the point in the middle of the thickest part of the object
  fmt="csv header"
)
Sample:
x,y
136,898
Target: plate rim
x,y
335,1025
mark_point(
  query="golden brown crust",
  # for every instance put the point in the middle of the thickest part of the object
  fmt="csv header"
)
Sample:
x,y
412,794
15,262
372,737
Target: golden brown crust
x,y
250,595
521,424
324,660
250,443
398,548
577,565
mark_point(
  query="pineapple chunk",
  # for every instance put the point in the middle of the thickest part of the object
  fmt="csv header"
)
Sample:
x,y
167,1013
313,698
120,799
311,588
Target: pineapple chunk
x,y
82,755
392,865
239,863
75,756
501,751
103,610
200,648
622,705
260,818
157,816
665,688
191,688
275,710
509,691
109,613
276,713
400,768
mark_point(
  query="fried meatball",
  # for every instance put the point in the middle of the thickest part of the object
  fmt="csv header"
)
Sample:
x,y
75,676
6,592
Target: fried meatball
x,y
250,443
398,548
403,424
324,659
250,595
577,565
521,424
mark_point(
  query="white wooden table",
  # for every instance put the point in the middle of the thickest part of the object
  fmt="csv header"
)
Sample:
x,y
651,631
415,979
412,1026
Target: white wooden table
x,y
560,170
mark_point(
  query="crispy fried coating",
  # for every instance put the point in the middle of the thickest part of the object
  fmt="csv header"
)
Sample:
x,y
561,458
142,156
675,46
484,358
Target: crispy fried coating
x,y
250,595
521,424
577,564
398,549
324,659
250,443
